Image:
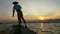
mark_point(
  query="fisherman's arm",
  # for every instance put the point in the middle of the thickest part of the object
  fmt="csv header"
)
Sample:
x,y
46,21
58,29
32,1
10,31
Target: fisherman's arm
x,y
19,6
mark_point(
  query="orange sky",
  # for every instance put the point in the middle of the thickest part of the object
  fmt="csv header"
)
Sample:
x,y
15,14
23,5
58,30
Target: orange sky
x,y
32,9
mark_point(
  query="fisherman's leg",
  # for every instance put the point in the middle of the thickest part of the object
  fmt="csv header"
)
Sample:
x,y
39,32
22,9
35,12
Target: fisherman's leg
x,y
19,20
24,21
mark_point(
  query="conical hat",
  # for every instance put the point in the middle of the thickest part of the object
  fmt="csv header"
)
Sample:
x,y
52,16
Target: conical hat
x,y
15,2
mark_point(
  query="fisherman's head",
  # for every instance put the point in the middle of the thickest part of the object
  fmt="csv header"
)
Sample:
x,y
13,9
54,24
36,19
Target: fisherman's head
x,y
15,2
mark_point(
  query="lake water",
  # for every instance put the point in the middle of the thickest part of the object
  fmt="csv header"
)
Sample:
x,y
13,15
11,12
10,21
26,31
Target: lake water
x,y
45,28
40,28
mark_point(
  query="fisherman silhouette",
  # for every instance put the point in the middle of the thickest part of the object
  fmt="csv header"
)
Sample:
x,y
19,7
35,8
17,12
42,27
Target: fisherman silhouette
x,y
17,7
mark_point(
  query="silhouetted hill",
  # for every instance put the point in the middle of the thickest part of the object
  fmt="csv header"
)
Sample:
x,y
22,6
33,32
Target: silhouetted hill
x,y
52,21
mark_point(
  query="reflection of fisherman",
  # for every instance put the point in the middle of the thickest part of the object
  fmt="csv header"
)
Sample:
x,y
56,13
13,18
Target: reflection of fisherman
x,y
19,12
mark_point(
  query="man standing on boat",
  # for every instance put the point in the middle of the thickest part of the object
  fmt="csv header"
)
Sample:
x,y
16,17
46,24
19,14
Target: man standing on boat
x,y
19,12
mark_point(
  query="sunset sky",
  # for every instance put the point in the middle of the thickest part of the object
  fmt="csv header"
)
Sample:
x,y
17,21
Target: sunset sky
x,y
32,9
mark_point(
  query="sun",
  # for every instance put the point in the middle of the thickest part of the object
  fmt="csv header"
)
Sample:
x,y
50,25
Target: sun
x,y
41,18
44,18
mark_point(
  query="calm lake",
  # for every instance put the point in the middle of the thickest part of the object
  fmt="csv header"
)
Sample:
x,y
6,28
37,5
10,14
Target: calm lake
x,y
45,28
40,28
